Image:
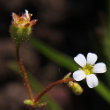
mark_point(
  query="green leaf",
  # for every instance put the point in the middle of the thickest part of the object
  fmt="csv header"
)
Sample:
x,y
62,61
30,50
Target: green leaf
x,y
106,42
103,91
59,58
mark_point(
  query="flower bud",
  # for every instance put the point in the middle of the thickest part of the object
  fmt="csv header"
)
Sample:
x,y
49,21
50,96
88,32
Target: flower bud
x,y
31,103
21,27
76,88
67,75
28,102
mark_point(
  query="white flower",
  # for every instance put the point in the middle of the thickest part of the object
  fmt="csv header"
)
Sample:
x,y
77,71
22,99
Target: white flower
x,y
88,68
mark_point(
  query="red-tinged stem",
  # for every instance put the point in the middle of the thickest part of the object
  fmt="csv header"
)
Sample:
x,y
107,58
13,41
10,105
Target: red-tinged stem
x,y
24,73
50,86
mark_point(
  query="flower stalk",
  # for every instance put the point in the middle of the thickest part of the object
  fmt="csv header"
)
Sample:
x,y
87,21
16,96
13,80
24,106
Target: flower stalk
x,y
24,73
50,86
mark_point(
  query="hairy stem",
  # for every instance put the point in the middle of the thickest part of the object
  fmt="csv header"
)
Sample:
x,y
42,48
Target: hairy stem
x,y
24,73
50,86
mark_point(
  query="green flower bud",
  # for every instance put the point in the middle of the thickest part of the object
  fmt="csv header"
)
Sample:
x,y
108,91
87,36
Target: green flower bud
x,y
28,102
20,34
31,103
21,27
76,88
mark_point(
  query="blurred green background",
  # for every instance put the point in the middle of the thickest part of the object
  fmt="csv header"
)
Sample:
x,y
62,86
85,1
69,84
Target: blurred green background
x,y
65,28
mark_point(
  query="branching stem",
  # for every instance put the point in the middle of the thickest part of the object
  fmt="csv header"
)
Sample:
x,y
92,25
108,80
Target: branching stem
x,y
50,86
27,84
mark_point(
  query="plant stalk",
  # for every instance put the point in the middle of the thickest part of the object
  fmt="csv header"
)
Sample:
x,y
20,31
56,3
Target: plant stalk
x,y
24,73
50,86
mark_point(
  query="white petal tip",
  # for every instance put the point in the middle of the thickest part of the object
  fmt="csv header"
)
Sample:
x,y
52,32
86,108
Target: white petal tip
x,y
100,68
91,58
80,60
27,13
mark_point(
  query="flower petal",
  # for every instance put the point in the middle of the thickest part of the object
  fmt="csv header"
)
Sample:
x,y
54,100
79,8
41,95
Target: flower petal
x,y
80,59
91,58
79,75
99,68
27,14
91,80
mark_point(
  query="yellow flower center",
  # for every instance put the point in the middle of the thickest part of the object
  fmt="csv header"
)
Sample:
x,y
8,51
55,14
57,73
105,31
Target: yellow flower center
x,y
88,69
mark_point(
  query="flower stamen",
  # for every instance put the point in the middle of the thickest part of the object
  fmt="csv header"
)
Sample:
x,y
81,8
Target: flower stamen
x,y
88,69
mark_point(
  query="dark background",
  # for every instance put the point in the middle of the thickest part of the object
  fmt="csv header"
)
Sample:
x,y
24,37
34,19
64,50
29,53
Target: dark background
x,y
70,26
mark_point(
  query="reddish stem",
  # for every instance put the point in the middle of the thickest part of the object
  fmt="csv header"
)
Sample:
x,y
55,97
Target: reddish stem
x,y
25,77
50,86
